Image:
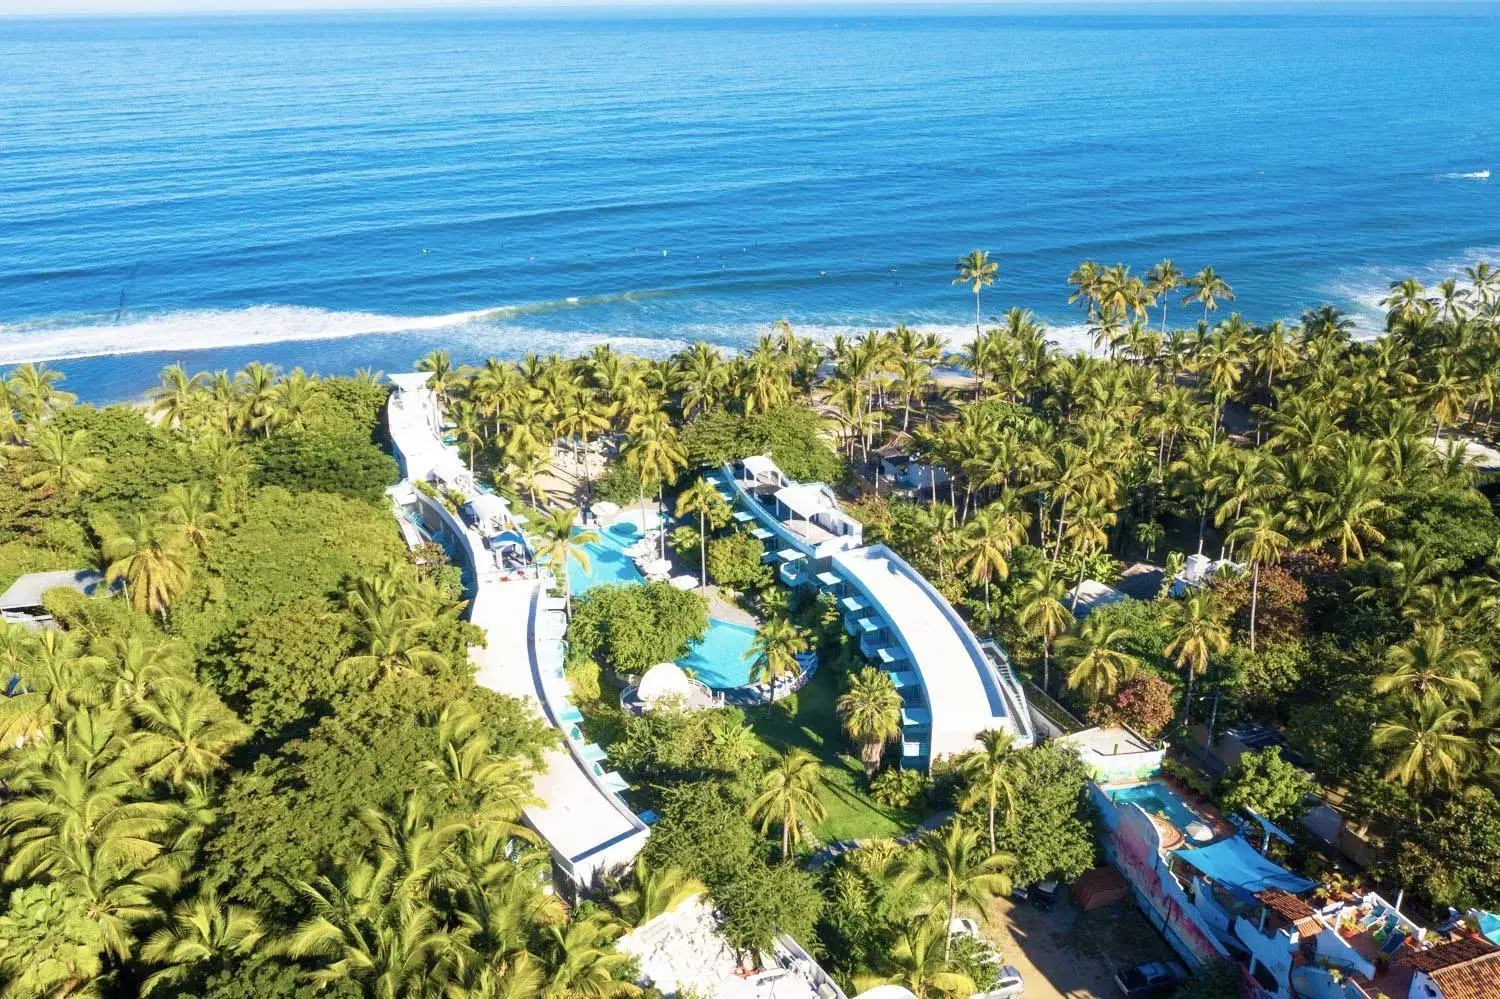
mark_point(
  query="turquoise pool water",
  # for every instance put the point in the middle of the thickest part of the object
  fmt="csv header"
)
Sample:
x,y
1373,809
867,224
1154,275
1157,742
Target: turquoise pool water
x,y
608,562
1157,799
718,659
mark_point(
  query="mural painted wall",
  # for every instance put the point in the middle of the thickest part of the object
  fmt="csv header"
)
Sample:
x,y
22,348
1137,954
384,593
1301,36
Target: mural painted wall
x,y
1122,768
1137,849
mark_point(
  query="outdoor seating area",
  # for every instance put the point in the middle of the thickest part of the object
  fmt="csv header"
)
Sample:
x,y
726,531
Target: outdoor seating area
x,y
757,694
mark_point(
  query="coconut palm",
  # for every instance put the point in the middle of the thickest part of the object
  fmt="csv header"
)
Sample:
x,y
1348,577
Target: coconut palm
x,y
440,364
949,863
920,965
202,933
1259,531
186,735
190,509
1198,634
656,453
704,500
558,540
1429,663
470,776
655,892
1096,663
993,775
584,963
978,271
151,558
176,399
1209,290
789,796
392,643
773,652
59,463
988,541
1163,280
1427,743
871,713
1043,614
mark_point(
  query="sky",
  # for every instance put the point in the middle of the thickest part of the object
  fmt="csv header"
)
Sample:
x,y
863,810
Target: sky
x,y
127,7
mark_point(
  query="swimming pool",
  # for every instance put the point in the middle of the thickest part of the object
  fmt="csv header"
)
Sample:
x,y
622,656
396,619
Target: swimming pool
x,y
1157,798
718,658
608,562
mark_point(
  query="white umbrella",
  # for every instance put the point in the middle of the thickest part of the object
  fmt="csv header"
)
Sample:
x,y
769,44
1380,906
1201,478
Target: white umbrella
x,y
605,509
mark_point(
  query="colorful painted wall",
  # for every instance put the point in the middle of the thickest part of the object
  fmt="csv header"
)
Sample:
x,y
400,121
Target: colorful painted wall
x,y
1136,845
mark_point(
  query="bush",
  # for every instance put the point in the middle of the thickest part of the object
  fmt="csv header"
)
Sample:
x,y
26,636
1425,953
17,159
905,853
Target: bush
x,y
791,435
632,628
734,562
1144,703
1269,785
620,484
896,788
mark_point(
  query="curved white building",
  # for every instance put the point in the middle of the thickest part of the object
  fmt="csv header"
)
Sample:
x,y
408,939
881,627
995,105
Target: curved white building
x,y
581,816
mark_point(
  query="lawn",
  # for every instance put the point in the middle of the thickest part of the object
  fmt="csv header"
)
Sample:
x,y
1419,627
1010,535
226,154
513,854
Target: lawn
x,y
810,721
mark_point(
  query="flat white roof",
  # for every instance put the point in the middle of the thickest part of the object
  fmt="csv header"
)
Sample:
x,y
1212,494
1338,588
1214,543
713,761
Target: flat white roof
x,y
1110,740
577,817
952,674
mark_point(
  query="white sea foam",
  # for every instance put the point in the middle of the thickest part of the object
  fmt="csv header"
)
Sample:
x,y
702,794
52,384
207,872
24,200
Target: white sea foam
x,y
1360,291
1475,175
206,329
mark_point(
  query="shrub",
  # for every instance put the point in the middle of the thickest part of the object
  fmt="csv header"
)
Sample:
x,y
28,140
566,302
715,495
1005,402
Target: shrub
x,y
734,561
1143,702
896,788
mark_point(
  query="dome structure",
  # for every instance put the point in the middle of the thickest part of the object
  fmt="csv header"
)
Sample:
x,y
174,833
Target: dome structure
x,y
664,680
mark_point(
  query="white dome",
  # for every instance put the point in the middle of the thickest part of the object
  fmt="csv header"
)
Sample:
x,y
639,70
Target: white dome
x,y
887,992
664,680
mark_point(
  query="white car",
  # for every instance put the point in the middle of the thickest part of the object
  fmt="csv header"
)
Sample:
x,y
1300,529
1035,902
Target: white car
x,y
1008,986
963,926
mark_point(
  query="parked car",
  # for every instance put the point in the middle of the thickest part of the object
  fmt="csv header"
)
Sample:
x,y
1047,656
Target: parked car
x,y
964,927
1008,986
1043,894
1156,978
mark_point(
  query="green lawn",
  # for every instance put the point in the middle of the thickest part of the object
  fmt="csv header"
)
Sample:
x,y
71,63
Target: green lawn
x,y
813,724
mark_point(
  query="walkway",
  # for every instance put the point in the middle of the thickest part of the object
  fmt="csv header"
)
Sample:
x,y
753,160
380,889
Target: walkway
x,y
585,824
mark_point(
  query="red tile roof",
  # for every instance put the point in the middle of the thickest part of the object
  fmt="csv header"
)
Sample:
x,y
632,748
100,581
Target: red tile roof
x,y
1464,969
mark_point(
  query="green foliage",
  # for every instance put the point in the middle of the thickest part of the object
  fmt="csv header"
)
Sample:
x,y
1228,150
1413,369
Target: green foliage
x,y
791,435
704,831
49,943
310,461
684,542
665,747
761,900
632,628
1268,784
735,561
284,547
1196,780
1454,858
1144,703
620,483
1052,836
142,459
1220,980
282,667
899,788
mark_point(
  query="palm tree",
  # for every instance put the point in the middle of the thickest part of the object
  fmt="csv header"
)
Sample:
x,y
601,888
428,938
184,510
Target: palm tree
x,y
186,735
773,653
1259,530
470,776
656,453
1428,744
950,863
871,712
392,644
920,966
201,932
584,962
993,775
59,463
1163,280
788,795
467,426
190,509
1043,614
1197,636
1429,664
1098,665
654,892
440,364
988,541
176,398
558,541
976,270
1209,289
704,500
152,559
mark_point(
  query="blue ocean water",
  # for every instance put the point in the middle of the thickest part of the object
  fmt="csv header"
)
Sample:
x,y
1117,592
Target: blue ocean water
x,y
343,191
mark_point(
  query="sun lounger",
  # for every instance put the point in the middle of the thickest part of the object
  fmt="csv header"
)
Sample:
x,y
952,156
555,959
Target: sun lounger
x,y
1394,941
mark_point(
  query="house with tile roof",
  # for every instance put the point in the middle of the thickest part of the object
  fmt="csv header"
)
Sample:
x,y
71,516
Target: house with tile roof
x,y
1468,968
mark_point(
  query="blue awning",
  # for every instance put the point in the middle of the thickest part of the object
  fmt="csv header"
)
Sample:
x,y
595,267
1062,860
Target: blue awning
x,y
1235,864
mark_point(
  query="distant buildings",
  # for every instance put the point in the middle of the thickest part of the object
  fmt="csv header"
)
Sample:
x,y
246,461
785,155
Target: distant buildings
x,y
21,603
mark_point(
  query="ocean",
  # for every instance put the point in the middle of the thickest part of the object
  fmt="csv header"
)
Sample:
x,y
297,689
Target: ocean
x,y
339,191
